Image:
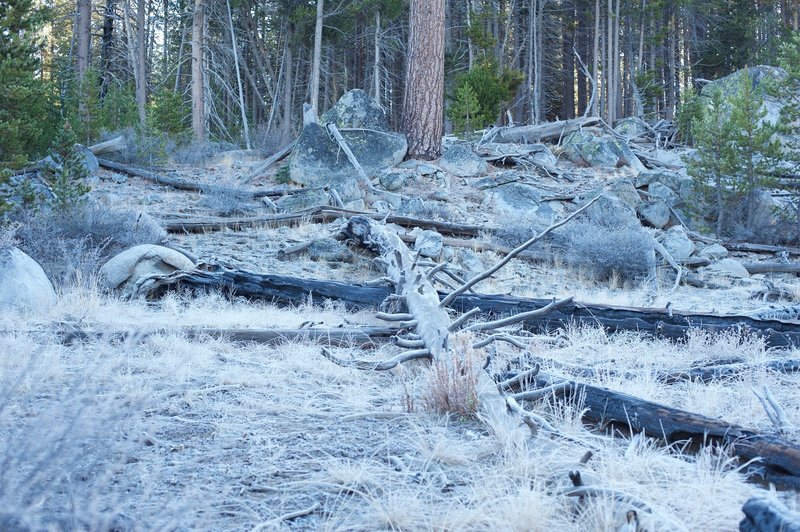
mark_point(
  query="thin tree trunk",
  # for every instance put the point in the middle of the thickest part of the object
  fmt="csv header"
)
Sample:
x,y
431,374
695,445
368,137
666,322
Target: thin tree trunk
x,y
317,59
84,29
596,55
423,104
609,77
377,70
141,62
198,86
235,49
107,46
568,65
288,84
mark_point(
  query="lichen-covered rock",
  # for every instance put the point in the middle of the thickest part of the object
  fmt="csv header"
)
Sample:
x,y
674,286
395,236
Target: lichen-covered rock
x,y
356,110
23,283
626,192
329,250
463,162
318,161
124,270
726,268
681,184
393,179
522,202
679,245
631,127
600,152
303,200
427,243
655,213
663,192
760,77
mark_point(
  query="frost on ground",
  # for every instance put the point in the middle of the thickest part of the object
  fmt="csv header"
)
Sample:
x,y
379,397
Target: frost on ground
x,y
169,432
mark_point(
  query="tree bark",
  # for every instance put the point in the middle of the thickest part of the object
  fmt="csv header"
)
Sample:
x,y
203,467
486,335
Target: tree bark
x,y
84,29
198,91
423,103
657,322
141,62
235,49
316,61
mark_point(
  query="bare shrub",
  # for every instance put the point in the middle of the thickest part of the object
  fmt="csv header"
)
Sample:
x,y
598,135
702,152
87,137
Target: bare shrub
x,y
71,244
269,142
606,253
453,384
198,153
227,200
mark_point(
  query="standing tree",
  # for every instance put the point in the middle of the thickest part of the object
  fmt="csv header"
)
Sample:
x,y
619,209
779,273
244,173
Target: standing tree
x,y
423,104
198,96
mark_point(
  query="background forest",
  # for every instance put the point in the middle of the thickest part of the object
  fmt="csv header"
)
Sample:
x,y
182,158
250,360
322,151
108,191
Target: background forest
x,y
107,66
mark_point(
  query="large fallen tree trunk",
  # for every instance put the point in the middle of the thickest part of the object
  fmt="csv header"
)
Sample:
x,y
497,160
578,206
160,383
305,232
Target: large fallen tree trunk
x,y
541,132
765,515
361,337
318,214
665,323
778,459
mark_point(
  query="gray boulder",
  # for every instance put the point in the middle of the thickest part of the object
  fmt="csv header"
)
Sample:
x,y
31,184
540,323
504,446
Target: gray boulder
x,y
626,192
726,268
663,192
678,243
681,184
632,127
303,200
317,160
356,110
122,271
610,212
393,179
600,152
714,251
655,213
90,162
521,201
760,77
762,210
23,283
330,250
463,162
427,243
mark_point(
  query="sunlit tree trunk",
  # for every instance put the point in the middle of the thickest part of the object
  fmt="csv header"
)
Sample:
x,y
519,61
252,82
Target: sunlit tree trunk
x,y
316,61
198,92
423,104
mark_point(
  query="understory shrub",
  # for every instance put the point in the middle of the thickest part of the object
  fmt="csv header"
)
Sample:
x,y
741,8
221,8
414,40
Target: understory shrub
x,y
71,244
227,200
453,384
479,95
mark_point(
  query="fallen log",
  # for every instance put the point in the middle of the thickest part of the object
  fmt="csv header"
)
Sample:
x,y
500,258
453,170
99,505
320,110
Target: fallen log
x,y
665,323
109,146
766,515
616,410
361,337
771,267
320,214
274,158
540,132
179,184
760,248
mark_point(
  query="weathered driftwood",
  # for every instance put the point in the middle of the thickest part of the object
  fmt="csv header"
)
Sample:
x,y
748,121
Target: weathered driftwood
x,y
540,132
771,267
760,248
318,214
610,409
766,515
109,146
180,184
671,324
274,158
361,337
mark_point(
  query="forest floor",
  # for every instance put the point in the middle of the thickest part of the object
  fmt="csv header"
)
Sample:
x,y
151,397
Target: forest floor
x,y
164,430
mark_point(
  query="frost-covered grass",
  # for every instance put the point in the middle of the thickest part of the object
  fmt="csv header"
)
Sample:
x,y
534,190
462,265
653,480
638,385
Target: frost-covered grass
x,y
167,431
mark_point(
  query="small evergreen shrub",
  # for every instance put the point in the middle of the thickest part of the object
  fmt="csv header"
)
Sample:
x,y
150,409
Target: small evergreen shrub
x,y
479,95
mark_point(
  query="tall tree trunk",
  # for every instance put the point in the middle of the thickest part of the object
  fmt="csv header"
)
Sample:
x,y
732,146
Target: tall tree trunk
x,y
582,47
596,56
235,49
288,83
141,62
107,45
424,93
84,30
198,92
376,74
568,64
317,59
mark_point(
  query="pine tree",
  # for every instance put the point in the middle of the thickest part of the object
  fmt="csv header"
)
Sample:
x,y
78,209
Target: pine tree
x,y
25,104
736,149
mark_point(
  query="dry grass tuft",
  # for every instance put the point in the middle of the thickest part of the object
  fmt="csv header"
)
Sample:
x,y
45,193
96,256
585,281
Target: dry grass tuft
x,y
453,384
